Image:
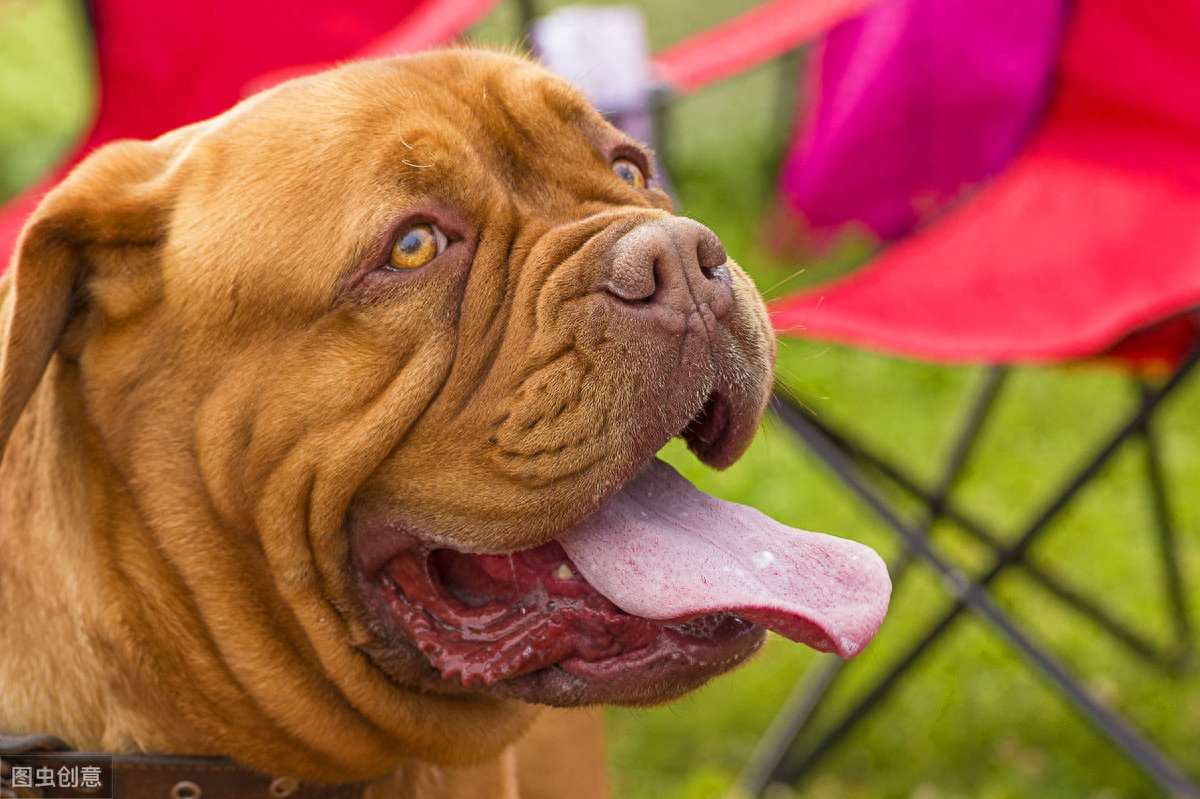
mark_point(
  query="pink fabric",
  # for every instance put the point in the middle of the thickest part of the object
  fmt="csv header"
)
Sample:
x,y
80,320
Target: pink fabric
x,y
914,101
1090,234
165,64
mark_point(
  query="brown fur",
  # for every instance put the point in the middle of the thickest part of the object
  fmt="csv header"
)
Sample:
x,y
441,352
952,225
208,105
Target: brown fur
x,y
206,384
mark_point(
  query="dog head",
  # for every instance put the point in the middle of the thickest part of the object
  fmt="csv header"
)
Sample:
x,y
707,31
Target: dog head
x,y
376,365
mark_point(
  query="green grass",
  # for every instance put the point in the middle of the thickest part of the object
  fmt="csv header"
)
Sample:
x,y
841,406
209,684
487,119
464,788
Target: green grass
x,y
973,721
44,87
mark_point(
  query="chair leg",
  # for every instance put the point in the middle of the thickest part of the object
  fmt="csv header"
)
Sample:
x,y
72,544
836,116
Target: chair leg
x,y
936,501
1168,550
1171,658
972,594
809,693
773,747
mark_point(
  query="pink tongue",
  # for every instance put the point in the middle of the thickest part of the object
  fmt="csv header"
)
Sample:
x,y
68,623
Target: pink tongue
x,y
662,549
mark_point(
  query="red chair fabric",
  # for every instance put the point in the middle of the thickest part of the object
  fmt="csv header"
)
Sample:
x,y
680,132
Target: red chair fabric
x,y
747,40
1091,233
161,65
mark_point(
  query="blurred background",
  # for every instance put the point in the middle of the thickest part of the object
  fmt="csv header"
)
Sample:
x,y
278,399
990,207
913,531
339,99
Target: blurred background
x,y
973,720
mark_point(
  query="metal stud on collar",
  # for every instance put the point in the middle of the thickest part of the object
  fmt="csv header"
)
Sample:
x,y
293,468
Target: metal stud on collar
x,y
283,786
186,790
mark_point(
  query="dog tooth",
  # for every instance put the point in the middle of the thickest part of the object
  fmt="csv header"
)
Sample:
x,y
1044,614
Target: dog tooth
x,y
563,572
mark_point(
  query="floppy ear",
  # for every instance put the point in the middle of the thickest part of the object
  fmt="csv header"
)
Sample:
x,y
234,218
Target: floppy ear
x,y
117,197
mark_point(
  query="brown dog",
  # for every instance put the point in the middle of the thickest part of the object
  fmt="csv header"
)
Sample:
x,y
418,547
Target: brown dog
x,y
330,425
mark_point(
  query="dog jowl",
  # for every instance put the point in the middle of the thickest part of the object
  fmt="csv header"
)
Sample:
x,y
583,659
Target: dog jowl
x,y
331,429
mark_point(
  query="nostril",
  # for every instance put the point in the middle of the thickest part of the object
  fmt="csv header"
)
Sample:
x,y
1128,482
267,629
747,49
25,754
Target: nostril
x,y
659,280
710,255
676,262
631,281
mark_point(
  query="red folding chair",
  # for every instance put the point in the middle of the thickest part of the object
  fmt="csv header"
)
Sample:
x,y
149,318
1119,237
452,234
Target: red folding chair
x,y
163,65
1085,246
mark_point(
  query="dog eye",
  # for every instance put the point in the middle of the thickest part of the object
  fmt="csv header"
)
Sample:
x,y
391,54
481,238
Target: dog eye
x,y
417,246
629,172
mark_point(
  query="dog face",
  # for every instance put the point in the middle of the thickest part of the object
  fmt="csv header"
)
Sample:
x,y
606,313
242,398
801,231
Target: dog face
x,y
376,363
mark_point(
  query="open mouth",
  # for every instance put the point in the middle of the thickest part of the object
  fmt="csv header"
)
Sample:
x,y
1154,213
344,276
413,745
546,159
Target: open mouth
x,y
485,618
707,432
662,584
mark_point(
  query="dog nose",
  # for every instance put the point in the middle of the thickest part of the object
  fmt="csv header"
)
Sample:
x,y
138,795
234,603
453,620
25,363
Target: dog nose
x,y
671,264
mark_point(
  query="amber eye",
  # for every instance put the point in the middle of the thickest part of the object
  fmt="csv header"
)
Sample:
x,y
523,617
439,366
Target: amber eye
x,y
629,172
417,246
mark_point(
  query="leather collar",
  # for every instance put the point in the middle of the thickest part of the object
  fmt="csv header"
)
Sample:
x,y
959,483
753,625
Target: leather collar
x,y
143,776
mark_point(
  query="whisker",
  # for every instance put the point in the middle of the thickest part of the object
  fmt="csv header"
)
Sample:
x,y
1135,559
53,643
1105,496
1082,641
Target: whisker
x,y
792,276
516,582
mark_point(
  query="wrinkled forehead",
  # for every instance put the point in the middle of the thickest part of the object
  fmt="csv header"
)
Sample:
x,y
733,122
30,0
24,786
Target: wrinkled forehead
x,y
421,117
510,101
522,124
323,166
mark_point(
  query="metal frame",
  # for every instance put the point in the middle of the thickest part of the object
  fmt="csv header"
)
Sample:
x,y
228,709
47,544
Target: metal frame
x,y
783,756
